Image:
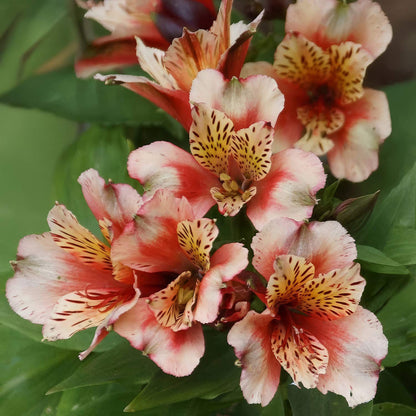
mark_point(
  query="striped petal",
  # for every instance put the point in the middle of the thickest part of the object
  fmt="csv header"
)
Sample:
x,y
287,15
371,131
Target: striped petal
x,y
196,238
300,353
301,62
210,138
77,240
252,150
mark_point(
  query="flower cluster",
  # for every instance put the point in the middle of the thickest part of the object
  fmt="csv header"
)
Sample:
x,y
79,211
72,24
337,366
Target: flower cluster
x,y
255,133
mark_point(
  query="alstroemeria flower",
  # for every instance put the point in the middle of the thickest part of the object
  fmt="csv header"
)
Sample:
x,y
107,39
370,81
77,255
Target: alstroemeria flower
x,y
223,47
169,247
67,279
320,68
231,168
156,22
312,325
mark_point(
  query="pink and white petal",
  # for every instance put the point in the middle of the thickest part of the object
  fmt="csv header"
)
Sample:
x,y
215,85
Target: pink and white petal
x,y
289,129
258,68
325,244
174,102
117,202
300,353
245,101
251,339
355,154
226,263
356,346
72,237
308,16
289,188
176,353
151,60
162,165
362,22
150,242
106,56
44,272
103,329
273,240
123,17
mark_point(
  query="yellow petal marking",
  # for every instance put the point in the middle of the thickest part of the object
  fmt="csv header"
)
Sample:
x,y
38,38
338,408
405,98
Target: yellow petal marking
x,y
319,124
348,65
252,150
173,306
332,295
285,285
77,240
210,138
195,239
300,61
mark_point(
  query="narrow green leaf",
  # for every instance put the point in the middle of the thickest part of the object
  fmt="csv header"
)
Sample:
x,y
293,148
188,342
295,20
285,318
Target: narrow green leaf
x,y
122,362
376,261
215,375
393,409
398,318
308,402
62,93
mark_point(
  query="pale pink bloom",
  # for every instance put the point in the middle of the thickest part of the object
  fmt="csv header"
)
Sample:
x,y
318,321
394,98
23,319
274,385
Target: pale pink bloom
x,y
231,168
222,47
312,325
154,21
67,279
320,68
169,247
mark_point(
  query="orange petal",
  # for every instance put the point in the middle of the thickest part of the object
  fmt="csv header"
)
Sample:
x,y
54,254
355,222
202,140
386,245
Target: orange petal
x,y
189,54
285,285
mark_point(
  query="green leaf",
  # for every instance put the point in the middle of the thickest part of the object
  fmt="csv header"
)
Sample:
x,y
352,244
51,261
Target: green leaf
x,y
275,407
390,388
122,362
104,149
307,402
398,318
393,409
398,208
376,261
62,93
401,245
215,375
29,369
